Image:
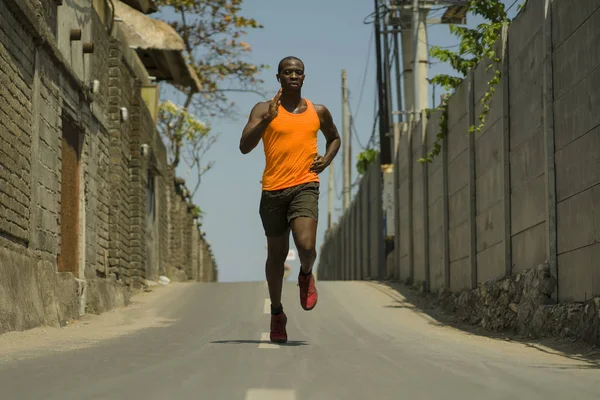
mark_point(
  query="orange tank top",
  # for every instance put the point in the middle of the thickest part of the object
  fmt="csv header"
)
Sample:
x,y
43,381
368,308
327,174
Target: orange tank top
x,y
290,145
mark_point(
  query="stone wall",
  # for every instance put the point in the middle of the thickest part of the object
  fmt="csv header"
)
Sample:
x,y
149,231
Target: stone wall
x,y
73,180
523,304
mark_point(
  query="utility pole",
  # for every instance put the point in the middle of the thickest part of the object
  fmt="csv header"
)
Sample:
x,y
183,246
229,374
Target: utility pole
x,y
387,77
415,28
412,16
384,122
414,56
398,73
346,140
330,197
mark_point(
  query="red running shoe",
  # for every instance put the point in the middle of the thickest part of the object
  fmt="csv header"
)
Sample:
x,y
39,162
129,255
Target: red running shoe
x,y
278,332
308,291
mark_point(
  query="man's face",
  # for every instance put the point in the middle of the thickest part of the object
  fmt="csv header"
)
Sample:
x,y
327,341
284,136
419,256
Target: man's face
x,y
292,75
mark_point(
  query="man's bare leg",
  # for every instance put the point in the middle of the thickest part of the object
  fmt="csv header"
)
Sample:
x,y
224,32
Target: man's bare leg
x,y
304,231
305,237
277,249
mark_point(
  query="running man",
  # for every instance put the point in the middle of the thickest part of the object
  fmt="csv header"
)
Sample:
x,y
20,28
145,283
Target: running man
x,y
288,125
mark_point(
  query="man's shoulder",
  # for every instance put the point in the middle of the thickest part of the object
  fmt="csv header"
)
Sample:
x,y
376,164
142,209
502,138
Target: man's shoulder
x,y
320,109
261,104
317,106
260,107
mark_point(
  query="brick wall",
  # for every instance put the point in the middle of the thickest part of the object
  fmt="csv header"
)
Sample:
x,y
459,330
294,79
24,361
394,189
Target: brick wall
x,y
40,93
96,162
137,196
46,158
176,239
49,8
163,189
194,252
120,91
16,88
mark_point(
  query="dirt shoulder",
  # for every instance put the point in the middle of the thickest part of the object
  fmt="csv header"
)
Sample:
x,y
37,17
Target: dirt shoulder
x,y
147,310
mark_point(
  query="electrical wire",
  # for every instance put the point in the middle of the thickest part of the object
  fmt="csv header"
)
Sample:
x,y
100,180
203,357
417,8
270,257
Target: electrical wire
x,y
512,5
364,78
382,9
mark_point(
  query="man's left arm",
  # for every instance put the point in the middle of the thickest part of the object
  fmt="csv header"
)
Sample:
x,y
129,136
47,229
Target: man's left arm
x,y
331,135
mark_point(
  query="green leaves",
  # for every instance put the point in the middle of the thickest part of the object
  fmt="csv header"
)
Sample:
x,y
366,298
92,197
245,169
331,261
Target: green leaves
x,y
213,32
365,159
437,146
197,212
475,45
179,127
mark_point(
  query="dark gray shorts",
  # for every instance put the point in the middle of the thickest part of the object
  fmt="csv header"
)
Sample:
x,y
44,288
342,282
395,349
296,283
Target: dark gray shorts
x,y
279,207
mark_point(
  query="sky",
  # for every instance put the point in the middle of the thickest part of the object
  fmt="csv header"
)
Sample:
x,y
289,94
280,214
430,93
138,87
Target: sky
x,y
328,36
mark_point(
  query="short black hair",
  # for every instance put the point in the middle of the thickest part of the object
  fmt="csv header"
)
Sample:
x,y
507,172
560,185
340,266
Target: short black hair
x,y
288,58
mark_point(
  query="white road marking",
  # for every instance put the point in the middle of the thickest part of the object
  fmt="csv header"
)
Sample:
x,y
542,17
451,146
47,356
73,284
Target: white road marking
x,y
267,308
265,339
270,394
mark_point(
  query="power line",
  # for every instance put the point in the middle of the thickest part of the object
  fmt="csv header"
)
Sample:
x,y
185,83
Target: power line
x,y
512,5
441,47
382,9
353,127
364,79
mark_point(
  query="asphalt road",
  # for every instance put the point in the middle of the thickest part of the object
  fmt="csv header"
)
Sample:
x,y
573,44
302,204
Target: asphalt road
x,y
360,342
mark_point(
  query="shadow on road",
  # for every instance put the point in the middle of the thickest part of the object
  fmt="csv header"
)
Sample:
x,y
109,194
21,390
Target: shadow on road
x,y
405,297
288,344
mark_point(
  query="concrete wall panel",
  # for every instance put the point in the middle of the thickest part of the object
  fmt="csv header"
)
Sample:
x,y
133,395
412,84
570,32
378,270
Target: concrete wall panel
x,y
525,83
436,259
436,215
488,148
523,29
458,207
490,263
527,161
435,183
573,60
459,241
457,111
578,165
460,275
458,173
489,187
571,15
529,248
490,227
577,281
572,111
527,205
458,138
578,220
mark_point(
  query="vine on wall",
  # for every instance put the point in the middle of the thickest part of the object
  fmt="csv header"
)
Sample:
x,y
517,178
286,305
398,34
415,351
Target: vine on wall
x,y
476,44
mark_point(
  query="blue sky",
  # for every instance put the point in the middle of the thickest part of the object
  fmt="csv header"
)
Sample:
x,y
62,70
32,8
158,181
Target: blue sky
x,y
328,36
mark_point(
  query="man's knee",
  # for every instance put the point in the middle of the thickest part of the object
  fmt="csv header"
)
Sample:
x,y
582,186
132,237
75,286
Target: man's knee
x,y
306,247
276,259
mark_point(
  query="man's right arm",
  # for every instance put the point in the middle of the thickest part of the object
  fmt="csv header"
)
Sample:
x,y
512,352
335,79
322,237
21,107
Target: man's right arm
x,y
256,125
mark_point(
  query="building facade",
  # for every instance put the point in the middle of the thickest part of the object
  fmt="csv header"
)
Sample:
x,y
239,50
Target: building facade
x,y
89,207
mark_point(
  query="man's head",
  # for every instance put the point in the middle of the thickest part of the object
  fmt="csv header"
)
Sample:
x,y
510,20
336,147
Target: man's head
x,y
290,73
